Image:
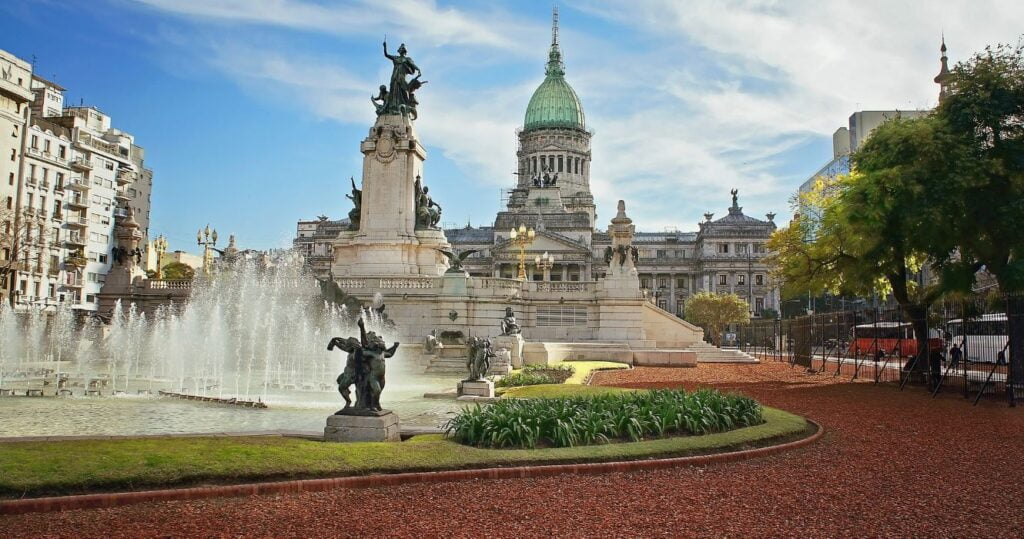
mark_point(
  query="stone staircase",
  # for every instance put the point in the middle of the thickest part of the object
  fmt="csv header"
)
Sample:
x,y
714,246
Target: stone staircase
x,y
708,353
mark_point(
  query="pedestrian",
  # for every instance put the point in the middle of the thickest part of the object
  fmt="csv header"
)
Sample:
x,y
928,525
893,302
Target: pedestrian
x,y
955,354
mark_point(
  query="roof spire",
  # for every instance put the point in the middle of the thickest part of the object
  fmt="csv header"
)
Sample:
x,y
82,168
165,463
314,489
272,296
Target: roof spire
x,y
944,78
555,65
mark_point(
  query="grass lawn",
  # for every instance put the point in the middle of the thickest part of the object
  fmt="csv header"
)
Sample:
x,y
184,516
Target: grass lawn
x,y
76,466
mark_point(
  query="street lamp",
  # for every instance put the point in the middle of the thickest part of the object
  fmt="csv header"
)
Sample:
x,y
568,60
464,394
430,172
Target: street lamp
x,y
207,240
522,237
544,263
160,245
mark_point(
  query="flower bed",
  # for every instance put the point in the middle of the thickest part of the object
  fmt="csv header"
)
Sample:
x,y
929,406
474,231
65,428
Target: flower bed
x,y
572,421
533,375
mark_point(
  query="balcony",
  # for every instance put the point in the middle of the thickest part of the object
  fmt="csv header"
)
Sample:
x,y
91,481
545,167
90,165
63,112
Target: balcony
x,y
79,202
73,262
19,93
31,182
75,239
121,195
77,221
78,183
125,176
81,163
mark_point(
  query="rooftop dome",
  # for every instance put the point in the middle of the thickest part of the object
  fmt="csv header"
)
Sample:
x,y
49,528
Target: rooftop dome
x,y
554,103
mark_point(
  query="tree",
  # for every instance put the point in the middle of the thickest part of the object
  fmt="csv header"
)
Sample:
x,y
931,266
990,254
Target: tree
x,y
714,312
18,230
870,231
177,270
985,112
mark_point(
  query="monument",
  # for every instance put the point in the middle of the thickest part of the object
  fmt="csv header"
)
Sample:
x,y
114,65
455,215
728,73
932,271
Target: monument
x,y
366,420
478,362
393,223
511,339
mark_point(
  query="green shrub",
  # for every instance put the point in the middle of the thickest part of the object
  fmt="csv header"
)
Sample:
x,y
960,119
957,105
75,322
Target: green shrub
x,y
572,421
533,375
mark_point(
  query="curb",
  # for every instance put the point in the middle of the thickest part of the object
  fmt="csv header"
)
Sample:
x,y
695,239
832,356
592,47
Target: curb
x,y
115,499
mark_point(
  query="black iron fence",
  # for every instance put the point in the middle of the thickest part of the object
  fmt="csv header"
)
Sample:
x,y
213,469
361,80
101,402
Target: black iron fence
x,y
966,346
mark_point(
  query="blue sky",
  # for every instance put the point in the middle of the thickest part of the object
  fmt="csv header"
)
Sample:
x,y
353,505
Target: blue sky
x,y
251,112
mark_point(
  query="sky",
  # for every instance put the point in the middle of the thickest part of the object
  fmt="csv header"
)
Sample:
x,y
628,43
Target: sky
x,y
251,111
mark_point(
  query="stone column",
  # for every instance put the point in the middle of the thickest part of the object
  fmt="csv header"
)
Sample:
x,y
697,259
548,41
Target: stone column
x,y
671,293
565,272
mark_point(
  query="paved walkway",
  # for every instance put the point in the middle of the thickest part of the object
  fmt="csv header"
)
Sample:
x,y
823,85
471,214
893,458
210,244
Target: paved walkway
x,y
891,463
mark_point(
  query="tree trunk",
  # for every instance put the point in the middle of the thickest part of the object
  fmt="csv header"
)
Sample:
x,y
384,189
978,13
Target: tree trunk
x,y
918,315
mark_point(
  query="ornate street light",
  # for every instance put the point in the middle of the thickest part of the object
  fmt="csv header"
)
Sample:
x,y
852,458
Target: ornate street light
x,y
160,245
522,237
207,239
544,263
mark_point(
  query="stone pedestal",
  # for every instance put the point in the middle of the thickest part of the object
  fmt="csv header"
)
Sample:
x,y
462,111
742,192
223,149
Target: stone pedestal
x,y
476,388
378,427
387,242
514,345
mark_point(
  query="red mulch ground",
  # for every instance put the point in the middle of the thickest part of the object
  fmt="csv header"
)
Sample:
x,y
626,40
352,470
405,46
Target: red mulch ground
x,y
891,464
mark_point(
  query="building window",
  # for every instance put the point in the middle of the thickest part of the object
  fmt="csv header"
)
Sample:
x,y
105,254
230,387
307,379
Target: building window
x,y
645,283
758,305
741,249
62,151
759,248
90,298
681,282
759,280
741,280
560,163
723,248
723,280
35,142
577,165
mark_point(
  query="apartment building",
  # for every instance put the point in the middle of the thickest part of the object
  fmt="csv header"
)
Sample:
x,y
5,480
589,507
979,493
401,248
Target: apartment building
x,y
71,174
15,96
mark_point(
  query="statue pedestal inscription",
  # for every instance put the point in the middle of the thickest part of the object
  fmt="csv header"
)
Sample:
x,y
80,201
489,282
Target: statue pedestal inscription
x,y
379,426
476,388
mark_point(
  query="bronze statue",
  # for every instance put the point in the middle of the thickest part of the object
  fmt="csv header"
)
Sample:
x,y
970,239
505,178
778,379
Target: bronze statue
x,y
357,201
455,261
508,324
364,367
428,212
399,98
734,193
380,101
478,358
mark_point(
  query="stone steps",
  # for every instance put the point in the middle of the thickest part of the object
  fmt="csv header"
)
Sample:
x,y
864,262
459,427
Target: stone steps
x,y
707,353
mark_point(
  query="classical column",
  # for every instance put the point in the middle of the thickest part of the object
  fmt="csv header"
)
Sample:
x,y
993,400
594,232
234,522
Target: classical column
x,y
565,272
671,293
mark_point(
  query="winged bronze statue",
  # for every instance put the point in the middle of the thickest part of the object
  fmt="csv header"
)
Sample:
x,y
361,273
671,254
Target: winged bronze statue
x,y
455,260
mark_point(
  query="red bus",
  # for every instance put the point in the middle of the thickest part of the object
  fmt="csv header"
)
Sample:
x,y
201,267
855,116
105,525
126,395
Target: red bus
x,y
892,338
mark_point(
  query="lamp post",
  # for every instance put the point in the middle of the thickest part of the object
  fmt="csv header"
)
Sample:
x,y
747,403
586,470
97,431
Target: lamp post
x,y
522,237
207,239
160,246
544,263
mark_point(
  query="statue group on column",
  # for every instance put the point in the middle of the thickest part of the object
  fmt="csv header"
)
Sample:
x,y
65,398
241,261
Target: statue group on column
x,y
399,97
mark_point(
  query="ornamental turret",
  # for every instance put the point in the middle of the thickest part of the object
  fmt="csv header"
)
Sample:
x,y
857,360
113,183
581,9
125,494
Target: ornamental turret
x,y
944,79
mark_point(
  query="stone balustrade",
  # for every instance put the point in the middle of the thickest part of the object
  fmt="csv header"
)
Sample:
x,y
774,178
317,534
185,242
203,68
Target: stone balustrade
x,y
407,283
169,284
562,286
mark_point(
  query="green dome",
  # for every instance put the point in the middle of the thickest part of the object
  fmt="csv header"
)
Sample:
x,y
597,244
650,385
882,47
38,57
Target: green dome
x,y
554,103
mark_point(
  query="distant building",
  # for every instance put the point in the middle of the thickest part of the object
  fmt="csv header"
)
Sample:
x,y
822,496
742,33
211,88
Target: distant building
x,y
69,175
552,195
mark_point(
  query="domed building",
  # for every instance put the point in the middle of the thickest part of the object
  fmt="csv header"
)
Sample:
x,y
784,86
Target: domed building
x,y
552,195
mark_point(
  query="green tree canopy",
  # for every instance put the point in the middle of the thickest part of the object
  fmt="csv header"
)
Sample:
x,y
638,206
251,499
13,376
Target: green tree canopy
x,y
177,270
714,312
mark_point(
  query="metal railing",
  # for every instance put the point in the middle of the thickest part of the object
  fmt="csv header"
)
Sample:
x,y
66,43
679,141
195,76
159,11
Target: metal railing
x,y
966,348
